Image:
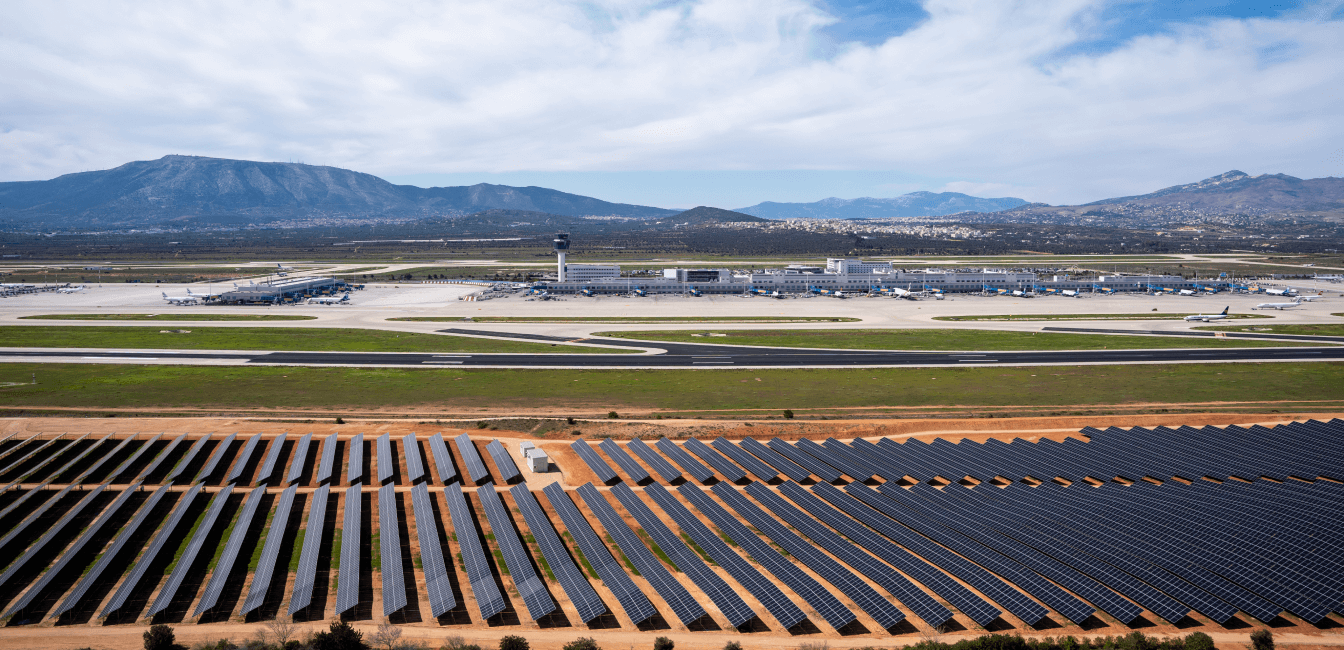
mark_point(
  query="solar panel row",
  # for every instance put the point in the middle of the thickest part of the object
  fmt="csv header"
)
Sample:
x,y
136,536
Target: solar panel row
x,y
275,534
354,470
352,542
437,582
508,470
186,461
155,547
243,457
443,462
327,466
470,457
628,464
828,456
111,555
74,451
386,465
184,567
730,472
305,578
162,458
37,547
580,593
774,459
35,451
535,596
654,459
684,460
272,457
212,465
241,529
415,464
20,532
724,597
632,600
300,459
762,471
134,458
489,600
389,543
604,472
809,462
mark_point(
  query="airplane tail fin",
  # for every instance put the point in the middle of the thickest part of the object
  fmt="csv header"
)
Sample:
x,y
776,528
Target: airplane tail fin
x,y
1225,309
165,295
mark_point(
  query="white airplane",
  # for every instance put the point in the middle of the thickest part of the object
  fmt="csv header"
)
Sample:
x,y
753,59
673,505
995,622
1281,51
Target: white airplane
x,y
330,300
282,267
70,289
1279,305
1308,298
1281,292
1208,317
1070,293
181,300
1187,292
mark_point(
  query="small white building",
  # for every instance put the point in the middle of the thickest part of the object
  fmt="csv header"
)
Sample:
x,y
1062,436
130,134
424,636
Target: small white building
x,y
536,459
845,265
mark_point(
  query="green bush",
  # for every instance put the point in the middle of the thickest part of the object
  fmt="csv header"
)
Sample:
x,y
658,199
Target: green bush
x,y
732,645
1198,641
612,414
788,415
339,637
1262,639
513,642
161,637
458,643
663,643
582,643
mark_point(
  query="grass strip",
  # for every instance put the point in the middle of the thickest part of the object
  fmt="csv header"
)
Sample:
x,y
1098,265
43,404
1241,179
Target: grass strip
x,y
939,339
1031,317
310,339
627,319
171,317
1326,329
297,551
657,550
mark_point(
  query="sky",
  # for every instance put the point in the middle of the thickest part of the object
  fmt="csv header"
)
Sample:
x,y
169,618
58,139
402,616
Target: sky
x,y
678,103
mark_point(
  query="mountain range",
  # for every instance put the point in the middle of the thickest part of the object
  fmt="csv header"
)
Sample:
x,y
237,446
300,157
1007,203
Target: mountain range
x,y
914,204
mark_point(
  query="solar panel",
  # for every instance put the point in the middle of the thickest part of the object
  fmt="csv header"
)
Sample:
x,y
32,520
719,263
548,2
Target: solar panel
x,y
162,457
19,501
467,451
535,596
508,470
654,459
775,459
686,608
135,457
386,465
389,542
725,598
327,466
64,560
604,472
300,458
186,461
354,470
33,453
110,556
488,598
772,597
632,469
270,551
580,593
27,478
155,546
833,459
188,557
415,465
34,516
816,596
684,460
437,582
306,576
730,472
599,557
272,457
752,464
243,457
48,459
224,566
443,462
352,541
213,464
51,533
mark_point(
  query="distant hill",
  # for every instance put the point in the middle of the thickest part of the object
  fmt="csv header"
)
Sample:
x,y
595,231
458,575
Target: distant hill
x,y
914,204
198,191
705,214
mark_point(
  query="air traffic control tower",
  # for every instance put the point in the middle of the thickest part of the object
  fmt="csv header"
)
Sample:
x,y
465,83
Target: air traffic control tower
x,y
561,245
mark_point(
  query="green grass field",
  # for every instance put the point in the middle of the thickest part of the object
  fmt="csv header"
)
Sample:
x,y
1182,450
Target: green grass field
x,y
268,338
1033,317
90,387
938,339
171,317
1327,329
626,319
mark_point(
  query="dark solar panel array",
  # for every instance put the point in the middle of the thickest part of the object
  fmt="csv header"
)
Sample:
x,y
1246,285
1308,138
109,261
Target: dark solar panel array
x,y
604,472
614,577
272,457
683,604
387,466
306,575
632,469
752,464
784,610
508,470
415,465
155,547
535,596
833,459
59,527
831,571
654,460
188,557
437,582
488,598
134,458
270,551
243,457
63,561
352,541
467,451
389,543
39,449
186,461
162,457
35,470
716,460
220,574
327,466
776,460
299,459
36,515
443,461
812,593
684,460
725,598
354,470
212,465
92,576
580,593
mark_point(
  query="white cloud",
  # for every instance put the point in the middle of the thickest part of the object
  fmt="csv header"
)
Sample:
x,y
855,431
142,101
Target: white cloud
x,y
980,91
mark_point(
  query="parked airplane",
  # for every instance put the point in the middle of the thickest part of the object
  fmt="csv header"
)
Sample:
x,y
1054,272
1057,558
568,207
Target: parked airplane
x,y
1282,292
181,300
1279,305
1188,292
1105,290
1208,317
1308,298
1206,288
70,289
1069,293
330,300
993,290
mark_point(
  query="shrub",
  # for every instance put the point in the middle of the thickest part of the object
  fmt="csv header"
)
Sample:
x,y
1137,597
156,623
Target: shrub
x,y
458,643
663,643
732,645
339,421
582,643
1262,640
569,421
339,637
612,414
1198,641
815,645
788,415
513,642
161,637
481,425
